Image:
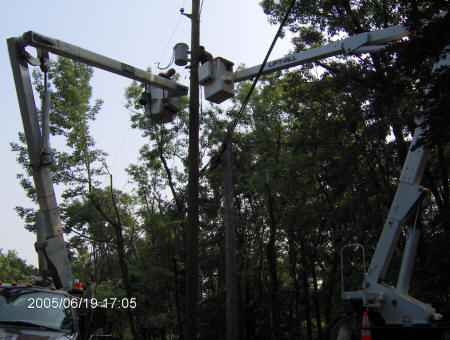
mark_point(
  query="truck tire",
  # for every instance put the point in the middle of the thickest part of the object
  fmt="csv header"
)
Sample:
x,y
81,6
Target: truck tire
x,y
341,329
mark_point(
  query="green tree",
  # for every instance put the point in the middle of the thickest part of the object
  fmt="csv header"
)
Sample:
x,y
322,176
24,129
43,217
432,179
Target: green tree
x,y
13,268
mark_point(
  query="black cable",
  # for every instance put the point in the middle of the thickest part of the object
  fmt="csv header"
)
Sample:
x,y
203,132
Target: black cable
x,y
172,58
167,45
247,97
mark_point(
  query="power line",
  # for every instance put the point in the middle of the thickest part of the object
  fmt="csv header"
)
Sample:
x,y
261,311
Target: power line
x,y
168,43
247,98
121,146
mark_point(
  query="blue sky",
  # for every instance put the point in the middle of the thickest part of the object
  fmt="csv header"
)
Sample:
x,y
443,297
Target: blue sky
x,y
137,32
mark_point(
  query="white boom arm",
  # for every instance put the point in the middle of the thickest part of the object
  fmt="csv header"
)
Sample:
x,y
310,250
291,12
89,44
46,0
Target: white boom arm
x,y
50,246
357,44
217,76
76,53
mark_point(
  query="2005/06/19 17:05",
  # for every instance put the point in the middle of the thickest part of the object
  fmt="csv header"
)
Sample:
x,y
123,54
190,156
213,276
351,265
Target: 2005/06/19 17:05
x,y
64,302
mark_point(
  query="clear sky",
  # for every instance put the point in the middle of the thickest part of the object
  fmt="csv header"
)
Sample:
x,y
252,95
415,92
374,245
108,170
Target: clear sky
x,y
137,32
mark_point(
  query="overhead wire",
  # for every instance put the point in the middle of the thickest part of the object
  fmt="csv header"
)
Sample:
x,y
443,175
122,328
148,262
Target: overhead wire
x,y
167,45
172,58
122,143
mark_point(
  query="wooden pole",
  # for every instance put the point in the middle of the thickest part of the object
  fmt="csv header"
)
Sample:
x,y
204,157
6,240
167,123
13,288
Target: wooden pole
x,y
193,182
230,247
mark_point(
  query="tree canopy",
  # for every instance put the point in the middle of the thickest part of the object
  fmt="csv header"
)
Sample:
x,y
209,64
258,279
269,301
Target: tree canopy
x,y
13,268
317,156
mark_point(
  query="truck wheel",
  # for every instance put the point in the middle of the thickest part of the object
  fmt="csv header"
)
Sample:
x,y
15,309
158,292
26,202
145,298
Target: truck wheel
x,y
342,329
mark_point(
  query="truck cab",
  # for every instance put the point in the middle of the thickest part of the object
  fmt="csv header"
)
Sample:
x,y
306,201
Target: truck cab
x,y
38,310
28,311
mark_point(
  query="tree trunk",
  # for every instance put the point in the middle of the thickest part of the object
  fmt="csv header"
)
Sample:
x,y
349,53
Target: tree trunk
x,y
328,308
177,299
445,211
124,267
306,293
292,251
316,299
272,264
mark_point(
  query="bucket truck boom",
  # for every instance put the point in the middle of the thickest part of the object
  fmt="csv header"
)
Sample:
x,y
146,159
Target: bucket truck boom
x,y
163,101
50,243
217,76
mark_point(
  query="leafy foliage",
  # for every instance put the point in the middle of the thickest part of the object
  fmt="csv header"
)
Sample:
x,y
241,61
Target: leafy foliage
x,y
13,268
317,156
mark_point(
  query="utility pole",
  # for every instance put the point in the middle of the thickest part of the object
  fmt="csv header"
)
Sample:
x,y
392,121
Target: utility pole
x,y
230,246
193,181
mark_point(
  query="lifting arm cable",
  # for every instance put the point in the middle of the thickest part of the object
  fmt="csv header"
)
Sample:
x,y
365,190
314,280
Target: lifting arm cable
x,y
46,157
